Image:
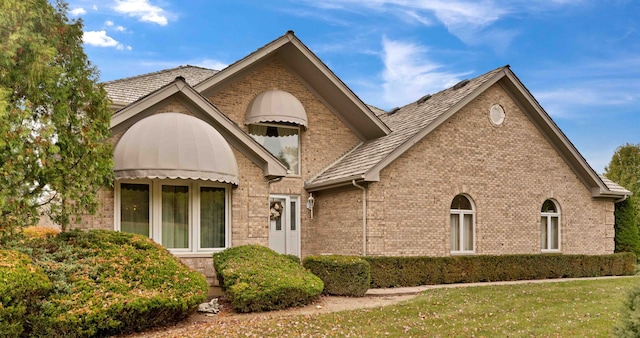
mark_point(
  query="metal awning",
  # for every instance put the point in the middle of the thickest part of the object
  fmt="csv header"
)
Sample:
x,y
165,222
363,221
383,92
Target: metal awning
x,y
276,106
174,145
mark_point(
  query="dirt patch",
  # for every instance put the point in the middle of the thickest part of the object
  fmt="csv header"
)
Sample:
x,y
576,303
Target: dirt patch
x,y
326,304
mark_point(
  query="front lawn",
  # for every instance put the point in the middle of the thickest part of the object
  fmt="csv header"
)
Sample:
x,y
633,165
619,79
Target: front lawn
x,y
556,309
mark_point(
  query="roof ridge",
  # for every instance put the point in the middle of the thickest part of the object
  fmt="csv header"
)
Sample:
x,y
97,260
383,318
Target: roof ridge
x,y
167,70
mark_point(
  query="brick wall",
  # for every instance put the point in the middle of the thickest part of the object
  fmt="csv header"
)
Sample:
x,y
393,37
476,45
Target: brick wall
x,y
508,171
324,141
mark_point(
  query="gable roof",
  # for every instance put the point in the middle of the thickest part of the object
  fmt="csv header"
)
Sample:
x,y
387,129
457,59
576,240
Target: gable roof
x,y
231,132
409,124
385,136
318,78
125,91
413,122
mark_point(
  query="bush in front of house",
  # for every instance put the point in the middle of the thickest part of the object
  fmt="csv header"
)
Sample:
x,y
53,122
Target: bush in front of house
x,y
256,278
342,275
39,232
22,286
413,271
107,282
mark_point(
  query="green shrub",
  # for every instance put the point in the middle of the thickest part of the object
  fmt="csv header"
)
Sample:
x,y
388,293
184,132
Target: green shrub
x,y
342,275
629,322
107,282
257,278
292,258
413,271
22,285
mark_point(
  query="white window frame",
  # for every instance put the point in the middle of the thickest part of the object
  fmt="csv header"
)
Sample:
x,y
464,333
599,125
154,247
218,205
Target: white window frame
x,y
289,172
461,213
155,213
549,216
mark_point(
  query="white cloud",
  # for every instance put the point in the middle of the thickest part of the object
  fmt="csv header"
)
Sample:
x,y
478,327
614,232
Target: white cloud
x,y
101,39
409,74
589,89
211,64
471,21
78,11
110,23
142,10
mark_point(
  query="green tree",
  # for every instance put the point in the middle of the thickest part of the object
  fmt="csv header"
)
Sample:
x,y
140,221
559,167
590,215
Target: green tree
x,y
624,169
54,117
627,238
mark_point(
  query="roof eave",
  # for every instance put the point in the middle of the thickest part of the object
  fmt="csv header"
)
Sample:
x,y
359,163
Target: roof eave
x,y
335,183
605,193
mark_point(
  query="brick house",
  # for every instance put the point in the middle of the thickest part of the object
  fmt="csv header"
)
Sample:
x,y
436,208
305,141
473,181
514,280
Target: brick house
x,y
276,150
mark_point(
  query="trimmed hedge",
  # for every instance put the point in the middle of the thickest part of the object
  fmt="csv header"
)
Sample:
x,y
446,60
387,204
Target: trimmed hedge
x,y
413,271
342,275
22,285
107,282
257,278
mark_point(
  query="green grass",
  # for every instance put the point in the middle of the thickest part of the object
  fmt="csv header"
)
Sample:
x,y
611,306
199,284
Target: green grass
x,y
559,309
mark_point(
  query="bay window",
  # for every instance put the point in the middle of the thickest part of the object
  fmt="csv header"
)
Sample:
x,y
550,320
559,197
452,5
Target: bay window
x,y
184,216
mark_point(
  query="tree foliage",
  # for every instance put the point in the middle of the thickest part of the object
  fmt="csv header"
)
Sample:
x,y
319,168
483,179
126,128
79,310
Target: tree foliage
x,y
624,169
626,236
54,117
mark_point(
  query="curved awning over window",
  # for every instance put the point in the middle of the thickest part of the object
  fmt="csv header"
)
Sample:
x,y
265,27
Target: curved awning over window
x,y
173,145
276,106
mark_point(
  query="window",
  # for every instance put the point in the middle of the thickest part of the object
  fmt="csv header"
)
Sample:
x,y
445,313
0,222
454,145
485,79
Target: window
x,y
462,225
550,226
282,141
134,213
184,216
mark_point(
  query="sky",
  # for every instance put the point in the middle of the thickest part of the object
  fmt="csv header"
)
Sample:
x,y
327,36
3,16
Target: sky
x,y
579,58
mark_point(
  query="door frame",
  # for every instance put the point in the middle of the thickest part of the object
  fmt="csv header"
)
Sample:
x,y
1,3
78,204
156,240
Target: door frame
x,y
287,222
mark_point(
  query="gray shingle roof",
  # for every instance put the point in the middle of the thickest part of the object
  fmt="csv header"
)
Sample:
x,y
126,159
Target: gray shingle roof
x,y
614,187
128,90
405,123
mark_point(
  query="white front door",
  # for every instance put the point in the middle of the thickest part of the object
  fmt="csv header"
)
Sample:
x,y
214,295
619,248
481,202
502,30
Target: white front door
x,y
284,224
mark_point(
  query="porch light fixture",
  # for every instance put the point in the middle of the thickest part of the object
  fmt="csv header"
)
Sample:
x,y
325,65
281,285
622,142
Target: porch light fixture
x,y
310,203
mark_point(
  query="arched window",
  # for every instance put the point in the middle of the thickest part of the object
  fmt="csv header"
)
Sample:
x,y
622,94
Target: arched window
x,y
550,226
462,225
274,118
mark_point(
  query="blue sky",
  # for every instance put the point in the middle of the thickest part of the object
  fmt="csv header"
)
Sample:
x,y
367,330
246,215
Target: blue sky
x,y
579,58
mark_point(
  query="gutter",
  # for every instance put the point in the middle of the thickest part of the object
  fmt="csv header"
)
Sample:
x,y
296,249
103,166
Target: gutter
x,y
364,216
624,198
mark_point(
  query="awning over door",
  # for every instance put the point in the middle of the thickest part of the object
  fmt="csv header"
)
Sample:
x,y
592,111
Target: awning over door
x,y
276,106
174,145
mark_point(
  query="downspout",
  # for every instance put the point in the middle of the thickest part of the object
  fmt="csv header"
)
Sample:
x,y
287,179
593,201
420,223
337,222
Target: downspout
x,y
364,216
